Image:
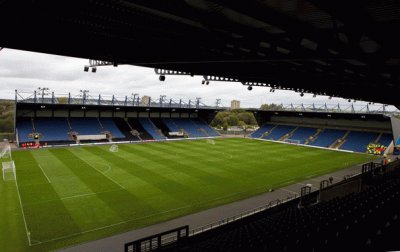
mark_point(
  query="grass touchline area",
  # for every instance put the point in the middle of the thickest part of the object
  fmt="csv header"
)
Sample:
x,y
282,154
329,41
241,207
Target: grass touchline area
x,y
72,195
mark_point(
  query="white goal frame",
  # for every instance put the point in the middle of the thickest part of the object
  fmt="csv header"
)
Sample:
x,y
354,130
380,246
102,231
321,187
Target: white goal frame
x,y
8,167
6,151
114,148
292,141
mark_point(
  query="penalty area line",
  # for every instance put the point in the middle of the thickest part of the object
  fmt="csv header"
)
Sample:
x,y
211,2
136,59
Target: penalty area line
x,y
105,175
44,173
28,234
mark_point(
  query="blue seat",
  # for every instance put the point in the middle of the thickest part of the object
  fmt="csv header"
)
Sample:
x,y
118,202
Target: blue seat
x,y
52,129
207,128
190,127
260,131
386,139
279,132
303,133
109,125
358,141
86,126
327,137
149,126
170,124
24,127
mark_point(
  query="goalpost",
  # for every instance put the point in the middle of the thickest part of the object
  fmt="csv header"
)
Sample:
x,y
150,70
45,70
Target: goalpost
x,y
8,169
292,141
114,148
6,151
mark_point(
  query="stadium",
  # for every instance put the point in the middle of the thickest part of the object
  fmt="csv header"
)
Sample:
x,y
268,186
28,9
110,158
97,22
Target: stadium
x,y
128,173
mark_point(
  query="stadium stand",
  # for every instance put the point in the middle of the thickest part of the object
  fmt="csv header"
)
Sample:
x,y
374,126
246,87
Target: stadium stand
x,y
164,129
260,131
358,141
386,139
134,123
367,220
279,131
149,126
125,129
24,127
327,137
171,125
189,127
303,133
85,126
52,129
206,128
109,125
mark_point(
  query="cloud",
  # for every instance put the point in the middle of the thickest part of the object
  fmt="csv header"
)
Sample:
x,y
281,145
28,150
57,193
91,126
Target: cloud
x,y
25,71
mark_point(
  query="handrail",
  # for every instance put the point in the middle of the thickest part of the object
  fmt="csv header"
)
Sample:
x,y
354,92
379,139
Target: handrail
x,y
241,215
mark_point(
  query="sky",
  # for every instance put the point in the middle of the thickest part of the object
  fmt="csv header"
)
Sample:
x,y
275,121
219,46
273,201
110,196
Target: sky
x,y
26,71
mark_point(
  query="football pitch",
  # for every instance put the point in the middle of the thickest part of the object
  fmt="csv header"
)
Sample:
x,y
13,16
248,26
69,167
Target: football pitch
x,y
72,195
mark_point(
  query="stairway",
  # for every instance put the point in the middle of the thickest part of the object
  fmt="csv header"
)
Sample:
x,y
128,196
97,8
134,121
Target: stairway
x,y
160,125
313,137
268,132
288,135
33,125
378,138
340,141
144,135
126,129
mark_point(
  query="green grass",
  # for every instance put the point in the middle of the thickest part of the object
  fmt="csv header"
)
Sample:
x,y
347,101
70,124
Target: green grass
x,y
72,195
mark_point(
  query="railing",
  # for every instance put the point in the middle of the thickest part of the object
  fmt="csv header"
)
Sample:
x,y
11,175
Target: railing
x,y
239,216
157,241
127,101
336,108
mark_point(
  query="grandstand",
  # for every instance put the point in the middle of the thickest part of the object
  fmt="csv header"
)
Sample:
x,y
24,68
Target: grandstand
x,y
123,176
67,124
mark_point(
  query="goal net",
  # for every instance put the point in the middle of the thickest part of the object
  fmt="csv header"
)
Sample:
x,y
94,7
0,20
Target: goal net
x,y
114,148
5,151
292,141
8,169
210,141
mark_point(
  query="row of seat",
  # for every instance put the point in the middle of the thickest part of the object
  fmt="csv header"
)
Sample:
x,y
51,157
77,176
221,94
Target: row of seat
x,y
354,141
58,129
365,221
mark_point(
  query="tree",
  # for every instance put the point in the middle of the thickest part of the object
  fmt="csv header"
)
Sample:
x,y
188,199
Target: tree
x,y
62,100
233,117
271,106
233,120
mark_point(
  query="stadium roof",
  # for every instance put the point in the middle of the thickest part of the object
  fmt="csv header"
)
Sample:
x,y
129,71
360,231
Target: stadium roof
x,y
342,48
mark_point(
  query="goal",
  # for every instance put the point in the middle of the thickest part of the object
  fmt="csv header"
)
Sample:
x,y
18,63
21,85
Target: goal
x,y
8,169
114,148
5,152
292,141
210,141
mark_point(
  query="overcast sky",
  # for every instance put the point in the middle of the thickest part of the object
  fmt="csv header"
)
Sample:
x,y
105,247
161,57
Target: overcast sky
x,y
26,71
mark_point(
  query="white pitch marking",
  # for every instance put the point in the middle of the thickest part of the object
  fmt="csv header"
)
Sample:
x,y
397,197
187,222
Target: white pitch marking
x,y
105,175
112,225
23,214
87,194
44,173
